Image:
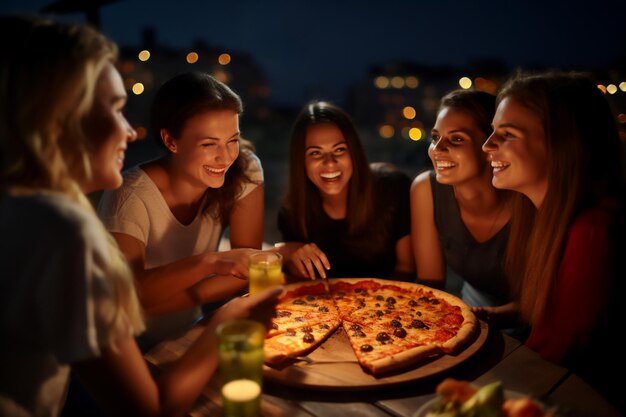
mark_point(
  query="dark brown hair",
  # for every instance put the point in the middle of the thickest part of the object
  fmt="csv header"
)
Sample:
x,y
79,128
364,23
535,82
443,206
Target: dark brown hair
x,y
479,105
582,147
185,96
303,201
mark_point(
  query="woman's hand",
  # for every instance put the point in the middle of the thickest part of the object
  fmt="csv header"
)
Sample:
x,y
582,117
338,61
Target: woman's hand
x,y
503,316
233,262
308,259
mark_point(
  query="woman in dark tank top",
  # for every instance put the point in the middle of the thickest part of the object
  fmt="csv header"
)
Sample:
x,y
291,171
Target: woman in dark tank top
x,y
459,220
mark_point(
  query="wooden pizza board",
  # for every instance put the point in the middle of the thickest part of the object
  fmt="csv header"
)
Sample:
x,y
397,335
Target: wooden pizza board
x,y
333,366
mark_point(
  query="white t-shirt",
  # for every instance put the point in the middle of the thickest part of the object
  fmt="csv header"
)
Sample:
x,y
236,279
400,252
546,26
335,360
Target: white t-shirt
x,y
138,209
55,299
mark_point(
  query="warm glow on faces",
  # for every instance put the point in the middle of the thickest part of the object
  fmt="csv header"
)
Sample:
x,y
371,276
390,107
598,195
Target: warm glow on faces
x,y
455,147
517,151
327,159
208,145
108,131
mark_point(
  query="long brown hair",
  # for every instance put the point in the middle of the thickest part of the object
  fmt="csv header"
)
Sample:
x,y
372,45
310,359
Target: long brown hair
x,y
185,96
582,147
303,201
48,76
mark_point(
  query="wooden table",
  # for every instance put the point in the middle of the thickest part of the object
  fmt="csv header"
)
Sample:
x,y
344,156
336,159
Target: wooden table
x,y
501,358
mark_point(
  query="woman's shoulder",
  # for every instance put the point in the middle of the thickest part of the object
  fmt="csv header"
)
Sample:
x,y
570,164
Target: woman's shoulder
x,y
423,179
254,168
137,185
54,213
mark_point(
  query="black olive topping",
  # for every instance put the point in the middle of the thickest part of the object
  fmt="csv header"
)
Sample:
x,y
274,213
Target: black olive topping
x,y
400,332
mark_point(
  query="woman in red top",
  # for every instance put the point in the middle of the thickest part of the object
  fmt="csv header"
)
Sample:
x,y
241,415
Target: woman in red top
x,y
555,142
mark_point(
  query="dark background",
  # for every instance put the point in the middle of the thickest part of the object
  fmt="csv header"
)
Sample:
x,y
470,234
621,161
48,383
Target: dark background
x,y
285,53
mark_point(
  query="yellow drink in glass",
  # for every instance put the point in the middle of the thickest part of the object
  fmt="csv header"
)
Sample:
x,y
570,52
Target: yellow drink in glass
x,y
265,271
241,366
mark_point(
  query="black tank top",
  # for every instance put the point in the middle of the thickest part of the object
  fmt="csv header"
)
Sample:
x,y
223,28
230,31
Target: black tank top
x,y
479,263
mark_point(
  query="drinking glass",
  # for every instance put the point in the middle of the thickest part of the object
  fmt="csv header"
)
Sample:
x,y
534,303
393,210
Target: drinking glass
x,y
265,271
241,366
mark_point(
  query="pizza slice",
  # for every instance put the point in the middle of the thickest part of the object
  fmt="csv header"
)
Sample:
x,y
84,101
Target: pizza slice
x,y
379,352
297,341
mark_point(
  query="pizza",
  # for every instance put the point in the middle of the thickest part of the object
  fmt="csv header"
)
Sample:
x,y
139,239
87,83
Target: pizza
x,y
389,324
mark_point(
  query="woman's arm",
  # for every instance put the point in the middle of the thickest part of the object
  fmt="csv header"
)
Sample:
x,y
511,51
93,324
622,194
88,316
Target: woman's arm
x,y
122,383
208,290
429,259
246,220
405,264
159,285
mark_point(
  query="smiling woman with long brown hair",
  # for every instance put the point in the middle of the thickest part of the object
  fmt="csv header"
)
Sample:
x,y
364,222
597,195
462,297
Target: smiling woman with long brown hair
x,y
555,142
342,217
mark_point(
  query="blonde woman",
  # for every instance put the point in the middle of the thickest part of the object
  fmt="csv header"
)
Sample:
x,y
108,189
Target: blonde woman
x,y
67,299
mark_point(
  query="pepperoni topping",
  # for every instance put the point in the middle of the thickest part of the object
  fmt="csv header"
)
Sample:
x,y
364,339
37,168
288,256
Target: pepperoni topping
x,y
308,338
366,348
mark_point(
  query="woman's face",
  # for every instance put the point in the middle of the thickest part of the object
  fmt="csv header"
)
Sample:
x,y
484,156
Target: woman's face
x,y
455,148
327,159
108,131
207,146
517,151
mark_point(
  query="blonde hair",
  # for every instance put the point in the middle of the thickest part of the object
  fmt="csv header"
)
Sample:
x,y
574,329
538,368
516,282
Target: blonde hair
x,y
48,74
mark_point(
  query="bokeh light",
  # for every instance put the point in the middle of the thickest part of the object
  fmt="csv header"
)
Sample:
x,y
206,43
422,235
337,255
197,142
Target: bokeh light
x,y
138,88
415,134
409,113
142,132
192,57
602,88
224,59
611,89
411,81
386,131
144,55
622,86
381,82
465,83
397,82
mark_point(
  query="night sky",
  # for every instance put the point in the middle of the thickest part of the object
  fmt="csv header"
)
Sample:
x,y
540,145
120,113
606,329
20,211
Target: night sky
x,y
332,43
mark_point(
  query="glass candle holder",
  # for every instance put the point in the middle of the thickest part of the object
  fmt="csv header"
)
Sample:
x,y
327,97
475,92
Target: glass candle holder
x,y
241,366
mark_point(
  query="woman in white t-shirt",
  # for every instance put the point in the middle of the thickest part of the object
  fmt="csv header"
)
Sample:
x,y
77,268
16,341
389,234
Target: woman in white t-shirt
x,y
67,299
170,213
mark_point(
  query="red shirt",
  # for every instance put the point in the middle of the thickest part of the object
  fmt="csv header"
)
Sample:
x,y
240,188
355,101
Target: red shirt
x,y
580,298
